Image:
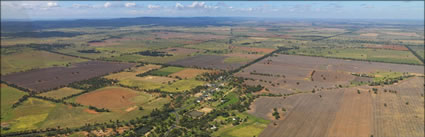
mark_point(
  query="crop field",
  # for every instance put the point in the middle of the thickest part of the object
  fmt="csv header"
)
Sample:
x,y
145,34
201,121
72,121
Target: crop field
x,y
284,74
151,81
419,50
32,59
338,110
9,96
344,112
253,127
114,98
166,71
206,61
208,76
189,73
131,72
49,78
380,55
61,93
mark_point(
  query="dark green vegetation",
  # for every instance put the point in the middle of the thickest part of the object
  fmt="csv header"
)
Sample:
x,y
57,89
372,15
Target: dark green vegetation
x,y
151,96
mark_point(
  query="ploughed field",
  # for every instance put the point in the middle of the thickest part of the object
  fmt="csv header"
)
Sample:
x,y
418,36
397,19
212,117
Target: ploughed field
x,y
285,74
49,78
318,98
207,61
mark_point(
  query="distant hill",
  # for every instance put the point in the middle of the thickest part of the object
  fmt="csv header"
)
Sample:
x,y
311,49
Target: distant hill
x,y
8,26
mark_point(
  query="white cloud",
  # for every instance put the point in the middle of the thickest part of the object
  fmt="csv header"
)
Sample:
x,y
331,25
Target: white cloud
x,y
52,4
179,6
129,5
107,5
197,5
153,6
81,6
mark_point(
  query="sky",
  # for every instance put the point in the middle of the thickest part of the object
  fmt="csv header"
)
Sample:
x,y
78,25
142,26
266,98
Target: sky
x,y
57,10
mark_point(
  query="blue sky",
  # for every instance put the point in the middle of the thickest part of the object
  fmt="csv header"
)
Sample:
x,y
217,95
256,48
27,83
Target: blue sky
x,y
40,10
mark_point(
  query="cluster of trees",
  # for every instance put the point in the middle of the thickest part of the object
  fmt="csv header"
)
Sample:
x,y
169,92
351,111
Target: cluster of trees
x,y
92,84
41,34
58,101
20,101
147,72
89,51
252,89
280,49
98,109
138,126
275,113
388,81
154,53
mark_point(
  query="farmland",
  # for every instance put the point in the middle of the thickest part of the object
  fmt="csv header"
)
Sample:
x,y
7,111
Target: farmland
x,y
27,60
61,93
54,77
201,76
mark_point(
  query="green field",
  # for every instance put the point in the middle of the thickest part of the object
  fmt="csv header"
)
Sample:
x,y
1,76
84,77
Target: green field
x,y
178,86
182,85
230,98
383,76
9,96
380,55
61,93
33,59
252,127
166,71
419,50
236,60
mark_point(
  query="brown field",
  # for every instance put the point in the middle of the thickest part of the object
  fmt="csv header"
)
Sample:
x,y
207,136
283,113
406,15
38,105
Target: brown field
x,y
155,79
61,93
409,34
196,37
369,34
206,61
330,72
399,118
45,79
111,98
132,72
110,42
345,113
179,51
391,47
251,49
339,112
247,56
307,114
189,73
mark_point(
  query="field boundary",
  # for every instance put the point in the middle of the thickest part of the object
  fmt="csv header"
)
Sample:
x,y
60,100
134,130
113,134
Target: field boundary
x,y
323,38
416,54
343,58
259,59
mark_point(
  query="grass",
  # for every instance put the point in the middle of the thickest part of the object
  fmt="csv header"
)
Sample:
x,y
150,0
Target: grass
x,y
131,73
148,59
37,114
230,98
27,116
383,76
236,60
182,85
33,59
166,71
380,55
252,127
61,93
9,96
